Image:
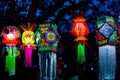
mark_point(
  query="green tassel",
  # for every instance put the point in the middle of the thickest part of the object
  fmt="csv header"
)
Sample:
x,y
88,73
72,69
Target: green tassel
x,y
10,61
81,53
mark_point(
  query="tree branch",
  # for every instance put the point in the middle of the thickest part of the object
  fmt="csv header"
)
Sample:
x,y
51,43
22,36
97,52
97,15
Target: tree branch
x,y
32,11
12,6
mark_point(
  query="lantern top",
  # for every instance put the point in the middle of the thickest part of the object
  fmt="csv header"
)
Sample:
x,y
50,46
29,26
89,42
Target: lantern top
x,y
80,28
28,27
79,18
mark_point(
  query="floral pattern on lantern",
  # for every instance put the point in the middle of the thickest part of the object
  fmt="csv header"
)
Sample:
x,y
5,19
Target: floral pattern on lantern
x,y
47,37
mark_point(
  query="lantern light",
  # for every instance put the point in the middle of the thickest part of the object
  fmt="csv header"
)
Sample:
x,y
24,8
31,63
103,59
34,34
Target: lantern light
x,y
80,31
47,39
106,35
28,42
10,38
79,28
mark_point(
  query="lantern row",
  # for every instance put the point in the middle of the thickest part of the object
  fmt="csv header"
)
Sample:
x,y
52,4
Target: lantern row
x,y
45,38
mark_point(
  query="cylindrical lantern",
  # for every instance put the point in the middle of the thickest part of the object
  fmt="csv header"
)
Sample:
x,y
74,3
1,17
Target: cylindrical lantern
x,y
106,34
80,31
10,38
47,40
28,42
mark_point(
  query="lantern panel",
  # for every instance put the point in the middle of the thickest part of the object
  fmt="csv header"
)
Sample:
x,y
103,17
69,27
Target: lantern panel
x,y
106,31
46,37
28,37
79,29
51,36
10,35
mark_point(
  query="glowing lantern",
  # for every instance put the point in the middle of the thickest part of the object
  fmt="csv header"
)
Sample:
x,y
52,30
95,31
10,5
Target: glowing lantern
x,y
118,38
28,42
10,38
106,35
47,37
80,30
47,40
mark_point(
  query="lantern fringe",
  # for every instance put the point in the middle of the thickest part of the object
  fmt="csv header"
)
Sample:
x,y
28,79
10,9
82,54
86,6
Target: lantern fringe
x,y
10,61
82,40
107,62
28,56
81,53
28,53
47,66
28,27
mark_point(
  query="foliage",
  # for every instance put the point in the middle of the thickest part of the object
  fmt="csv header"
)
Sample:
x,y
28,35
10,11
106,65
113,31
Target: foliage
x,y
60,12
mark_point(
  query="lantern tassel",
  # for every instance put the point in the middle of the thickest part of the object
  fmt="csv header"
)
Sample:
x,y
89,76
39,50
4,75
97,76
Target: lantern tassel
x,y
107,62
81,53
10,62
28,56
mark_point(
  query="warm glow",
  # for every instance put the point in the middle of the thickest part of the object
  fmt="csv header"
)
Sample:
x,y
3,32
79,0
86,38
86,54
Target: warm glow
x,y
79,29
10,36
28,37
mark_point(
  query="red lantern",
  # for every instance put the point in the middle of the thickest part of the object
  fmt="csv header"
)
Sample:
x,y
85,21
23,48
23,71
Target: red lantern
x,y
10,35
79,28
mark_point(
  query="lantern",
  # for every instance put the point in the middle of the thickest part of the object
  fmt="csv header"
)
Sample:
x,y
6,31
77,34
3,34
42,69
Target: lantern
x,y
118,38
28,42
106,34
10,38
80,31
47,38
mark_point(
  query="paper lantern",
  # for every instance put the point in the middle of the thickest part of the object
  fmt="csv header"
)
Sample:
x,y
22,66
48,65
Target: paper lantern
x,y
106,34
79,28
10,38
10,35
118,37
46,38
80,31
28,40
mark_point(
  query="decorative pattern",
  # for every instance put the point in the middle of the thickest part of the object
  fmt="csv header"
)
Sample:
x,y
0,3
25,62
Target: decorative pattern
x,y
106,39
51,36
106,31
46,37
47,40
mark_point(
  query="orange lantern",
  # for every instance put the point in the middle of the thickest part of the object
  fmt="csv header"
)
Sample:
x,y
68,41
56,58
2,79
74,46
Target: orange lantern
x,y
80,30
